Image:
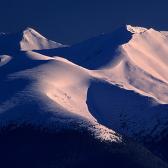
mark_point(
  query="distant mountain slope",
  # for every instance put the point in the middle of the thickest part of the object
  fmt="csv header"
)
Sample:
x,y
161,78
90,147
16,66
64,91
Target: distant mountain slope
x,y
25,40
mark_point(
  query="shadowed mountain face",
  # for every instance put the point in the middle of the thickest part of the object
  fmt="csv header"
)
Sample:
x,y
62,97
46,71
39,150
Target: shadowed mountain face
x,y
96,52
87,105
117,109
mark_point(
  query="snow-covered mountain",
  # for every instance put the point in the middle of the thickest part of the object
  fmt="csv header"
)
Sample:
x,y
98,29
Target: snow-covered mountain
x,y
129,67
114,84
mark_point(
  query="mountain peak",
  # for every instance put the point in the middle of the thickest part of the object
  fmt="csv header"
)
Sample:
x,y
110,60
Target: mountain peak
x,y
135,29
30,31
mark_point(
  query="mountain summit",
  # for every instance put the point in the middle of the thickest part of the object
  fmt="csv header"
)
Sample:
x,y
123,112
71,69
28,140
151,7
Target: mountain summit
x,y
135,29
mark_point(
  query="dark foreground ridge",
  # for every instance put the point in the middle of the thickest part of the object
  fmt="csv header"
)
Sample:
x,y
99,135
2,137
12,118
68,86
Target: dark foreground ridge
x,y
27,147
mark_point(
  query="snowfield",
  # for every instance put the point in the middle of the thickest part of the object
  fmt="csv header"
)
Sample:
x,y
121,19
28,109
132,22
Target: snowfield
x,y
113,83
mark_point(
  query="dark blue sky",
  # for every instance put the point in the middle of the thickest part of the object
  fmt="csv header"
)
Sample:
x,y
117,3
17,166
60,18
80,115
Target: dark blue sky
x,y
71,21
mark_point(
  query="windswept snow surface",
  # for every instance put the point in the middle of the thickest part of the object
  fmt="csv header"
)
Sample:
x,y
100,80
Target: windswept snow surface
x,y
115,82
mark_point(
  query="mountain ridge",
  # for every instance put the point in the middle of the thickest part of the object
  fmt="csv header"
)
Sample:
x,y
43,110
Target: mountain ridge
x,y
114,84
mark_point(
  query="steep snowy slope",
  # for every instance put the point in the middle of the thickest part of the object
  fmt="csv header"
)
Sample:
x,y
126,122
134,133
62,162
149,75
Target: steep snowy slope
x,y
142,65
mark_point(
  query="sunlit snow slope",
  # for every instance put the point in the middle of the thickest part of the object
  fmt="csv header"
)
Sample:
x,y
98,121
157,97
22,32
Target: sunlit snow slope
x,y
115,81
